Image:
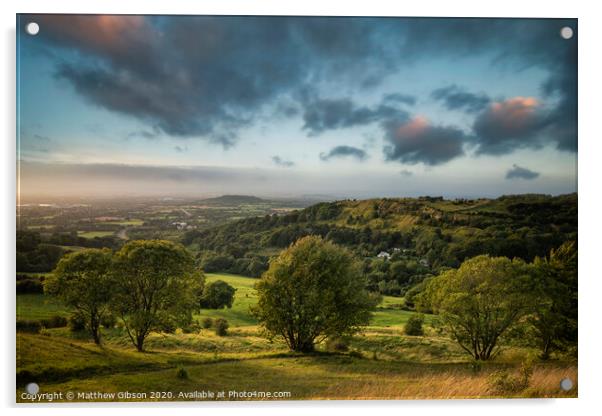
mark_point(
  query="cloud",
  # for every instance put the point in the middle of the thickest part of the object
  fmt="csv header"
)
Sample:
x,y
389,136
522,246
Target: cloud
x,y
518,172
406,173
320,115
113,179
206,76
456,98
344,151
417,141
181,149
210,76
146,134
278,161
399,98
508,125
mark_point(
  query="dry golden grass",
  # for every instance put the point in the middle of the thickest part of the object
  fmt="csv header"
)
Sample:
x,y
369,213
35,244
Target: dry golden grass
x,y
452,384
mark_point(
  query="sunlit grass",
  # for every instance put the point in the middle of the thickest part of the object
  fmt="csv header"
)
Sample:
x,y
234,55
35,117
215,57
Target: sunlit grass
x,y
314,376
92,234
380,363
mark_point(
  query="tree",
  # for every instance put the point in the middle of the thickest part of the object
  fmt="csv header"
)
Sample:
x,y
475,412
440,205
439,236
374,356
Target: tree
x,y
217,295
313,290
480,301
81,280
156,287
554,320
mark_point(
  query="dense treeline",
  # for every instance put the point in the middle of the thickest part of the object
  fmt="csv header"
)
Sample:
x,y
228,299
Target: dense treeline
x,y
436,234
40,253
35,256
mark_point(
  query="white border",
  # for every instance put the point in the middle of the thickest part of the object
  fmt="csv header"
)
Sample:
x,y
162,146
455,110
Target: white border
x,y
590,68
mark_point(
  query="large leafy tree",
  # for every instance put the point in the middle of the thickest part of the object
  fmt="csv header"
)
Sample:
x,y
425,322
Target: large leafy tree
x,y
82,281
156,287
554,319
481,301
311,291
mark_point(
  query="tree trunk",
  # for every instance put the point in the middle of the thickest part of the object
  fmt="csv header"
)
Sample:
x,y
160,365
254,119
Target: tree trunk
x,y
140,342
545,351
95,328
301,345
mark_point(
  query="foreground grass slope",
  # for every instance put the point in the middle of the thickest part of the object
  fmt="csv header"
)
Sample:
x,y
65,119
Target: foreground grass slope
x,y
316,376
381,362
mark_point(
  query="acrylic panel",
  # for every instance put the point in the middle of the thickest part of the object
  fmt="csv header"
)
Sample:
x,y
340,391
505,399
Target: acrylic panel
x,y
218,208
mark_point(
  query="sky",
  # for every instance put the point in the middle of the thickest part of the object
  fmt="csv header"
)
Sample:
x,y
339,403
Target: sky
x,y
335,107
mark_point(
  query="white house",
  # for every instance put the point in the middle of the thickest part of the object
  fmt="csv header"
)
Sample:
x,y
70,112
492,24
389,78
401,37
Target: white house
x,y
383,255
179,225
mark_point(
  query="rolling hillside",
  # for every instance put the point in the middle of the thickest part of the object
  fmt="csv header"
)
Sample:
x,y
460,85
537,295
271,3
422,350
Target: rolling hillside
x,y
415,237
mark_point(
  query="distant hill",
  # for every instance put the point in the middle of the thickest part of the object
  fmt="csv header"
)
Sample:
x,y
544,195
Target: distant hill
x,y
422,236
233,200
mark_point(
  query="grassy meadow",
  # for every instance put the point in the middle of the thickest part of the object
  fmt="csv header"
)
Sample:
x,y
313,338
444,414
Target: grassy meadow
x,y
381,363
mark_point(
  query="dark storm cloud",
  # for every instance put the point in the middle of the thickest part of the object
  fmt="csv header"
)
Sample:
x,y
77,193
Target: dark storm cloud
x,y
283,163
518,172
417,141
456,98
344,151
511,124
202,75
207,76
330,114
516,44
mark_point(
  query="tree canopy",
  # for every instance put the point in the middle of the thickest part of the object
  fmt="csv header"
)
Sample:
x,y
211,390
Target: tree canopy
x,y
156,287
311,291
480,301
82,281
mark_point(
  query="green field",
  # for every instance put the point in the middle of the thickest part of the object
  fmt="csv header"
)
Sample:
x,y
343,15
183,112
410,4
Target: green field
x,y
92,234
36,306
382,362
387,314
126,223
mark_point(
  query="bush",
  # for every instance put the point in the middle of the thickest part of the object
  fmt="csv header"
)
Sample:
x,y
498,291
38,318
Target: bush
x,y
337,345
217,295
207,323
504,382
77,323
414,325
221,327
182,373
55,321
28,326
